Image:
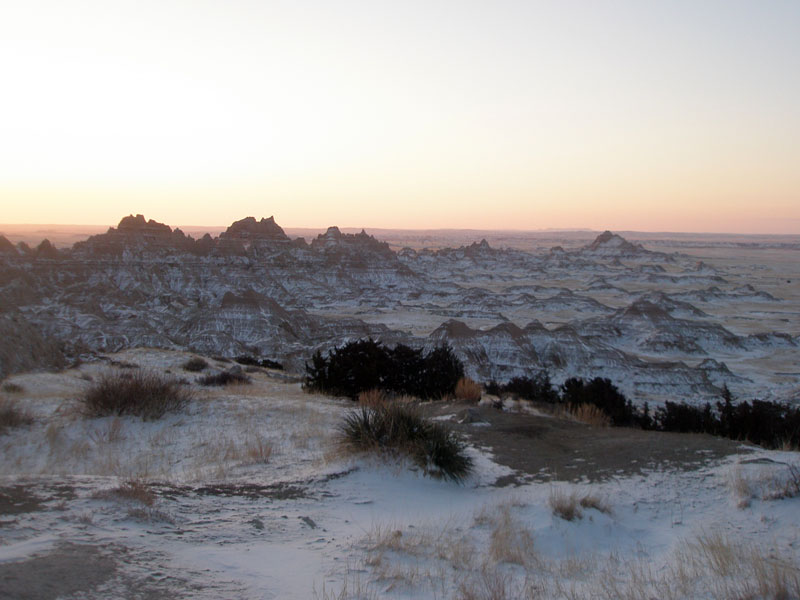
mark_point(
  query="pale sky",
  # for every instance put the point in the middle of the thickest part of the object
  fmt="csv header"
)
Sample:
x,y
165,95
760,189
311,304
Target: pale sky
x,y
641,115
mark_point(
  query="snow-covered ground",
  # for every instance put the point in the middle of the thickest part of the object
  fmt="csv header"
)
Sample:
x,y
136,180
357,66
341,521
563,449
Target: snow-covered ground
x,y
248,495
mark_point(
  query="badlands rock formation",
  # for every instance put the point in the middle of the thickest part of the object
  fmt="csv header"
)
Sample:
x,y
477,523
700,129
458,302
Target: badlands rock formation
x,y
655,323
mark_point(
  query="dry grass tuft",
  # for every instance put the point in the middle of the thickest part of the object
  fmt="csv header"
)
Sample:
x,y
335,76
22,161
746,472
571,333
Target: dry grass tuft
x,y
788,488
12,416
591,415
257,450
596,502
374,398
109,435
468,390
565,506
510,541
133,490
740,487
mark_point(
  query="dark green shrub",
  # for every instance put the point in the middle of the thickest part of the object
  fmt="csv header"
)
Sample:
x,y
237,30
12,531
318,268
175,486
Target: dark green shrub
x,y
768,424
247,360
195,364
140,393
537,389
271,364
397,428
440,374
405,374
367,365
441,454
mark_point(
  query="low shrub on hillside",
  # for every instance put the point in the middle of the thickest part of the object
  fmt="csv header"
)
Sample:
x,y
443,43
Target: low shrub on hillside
x,y
139,393
195,365
12,416
251,361
397,428
367,364
229,377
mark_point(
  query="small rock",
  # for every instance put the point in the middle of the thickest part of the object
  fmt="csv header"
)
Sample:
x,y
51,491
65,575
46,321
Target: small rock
x,y
308,521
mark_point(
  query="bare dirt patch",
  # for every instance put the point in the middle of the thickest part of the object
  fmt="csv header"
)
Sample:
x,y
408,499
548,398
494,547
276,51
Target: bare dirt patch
x,y
548,448
68,570
18,499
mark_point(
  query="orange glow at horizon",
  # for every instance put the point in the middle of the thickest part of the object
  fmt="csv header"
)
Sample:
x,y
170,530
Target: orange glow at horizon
x,y
418,116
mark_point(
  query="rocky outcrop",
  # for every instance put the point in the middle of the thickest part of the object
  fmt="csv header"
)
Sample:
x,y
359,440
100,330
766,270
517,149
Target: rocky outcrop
x,y
250,229
253,290
135,237
645,327
610,246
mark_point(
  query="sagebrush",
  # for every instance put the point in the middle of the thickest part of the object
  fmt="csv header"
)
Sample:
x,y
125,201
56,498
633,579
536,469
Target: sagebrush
x,y
140,393
224,378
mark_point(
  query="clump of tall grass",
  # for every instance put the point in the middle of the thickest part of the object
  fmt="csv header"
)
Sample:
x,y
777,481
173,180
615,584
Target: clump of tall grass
x,y
396,428
591,415
139,393
468,390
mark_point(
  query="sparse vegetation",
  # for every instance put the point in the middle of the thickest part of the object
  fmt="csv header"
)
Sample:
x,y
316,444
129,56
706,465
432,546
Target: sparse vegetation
x,y
195,364
257,450
367,364
510,541
132,490
396,428
229,377
139,393
12,388
12,416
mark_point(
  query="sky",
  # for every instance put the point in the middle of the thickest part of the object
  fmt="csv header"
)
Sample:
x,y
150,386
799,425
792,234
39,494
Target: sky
x,y
627,115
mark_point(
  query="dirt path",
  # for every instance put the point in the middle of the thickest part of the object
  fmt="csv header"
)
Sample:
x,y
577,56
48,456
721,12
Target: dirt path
x,y
545,448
